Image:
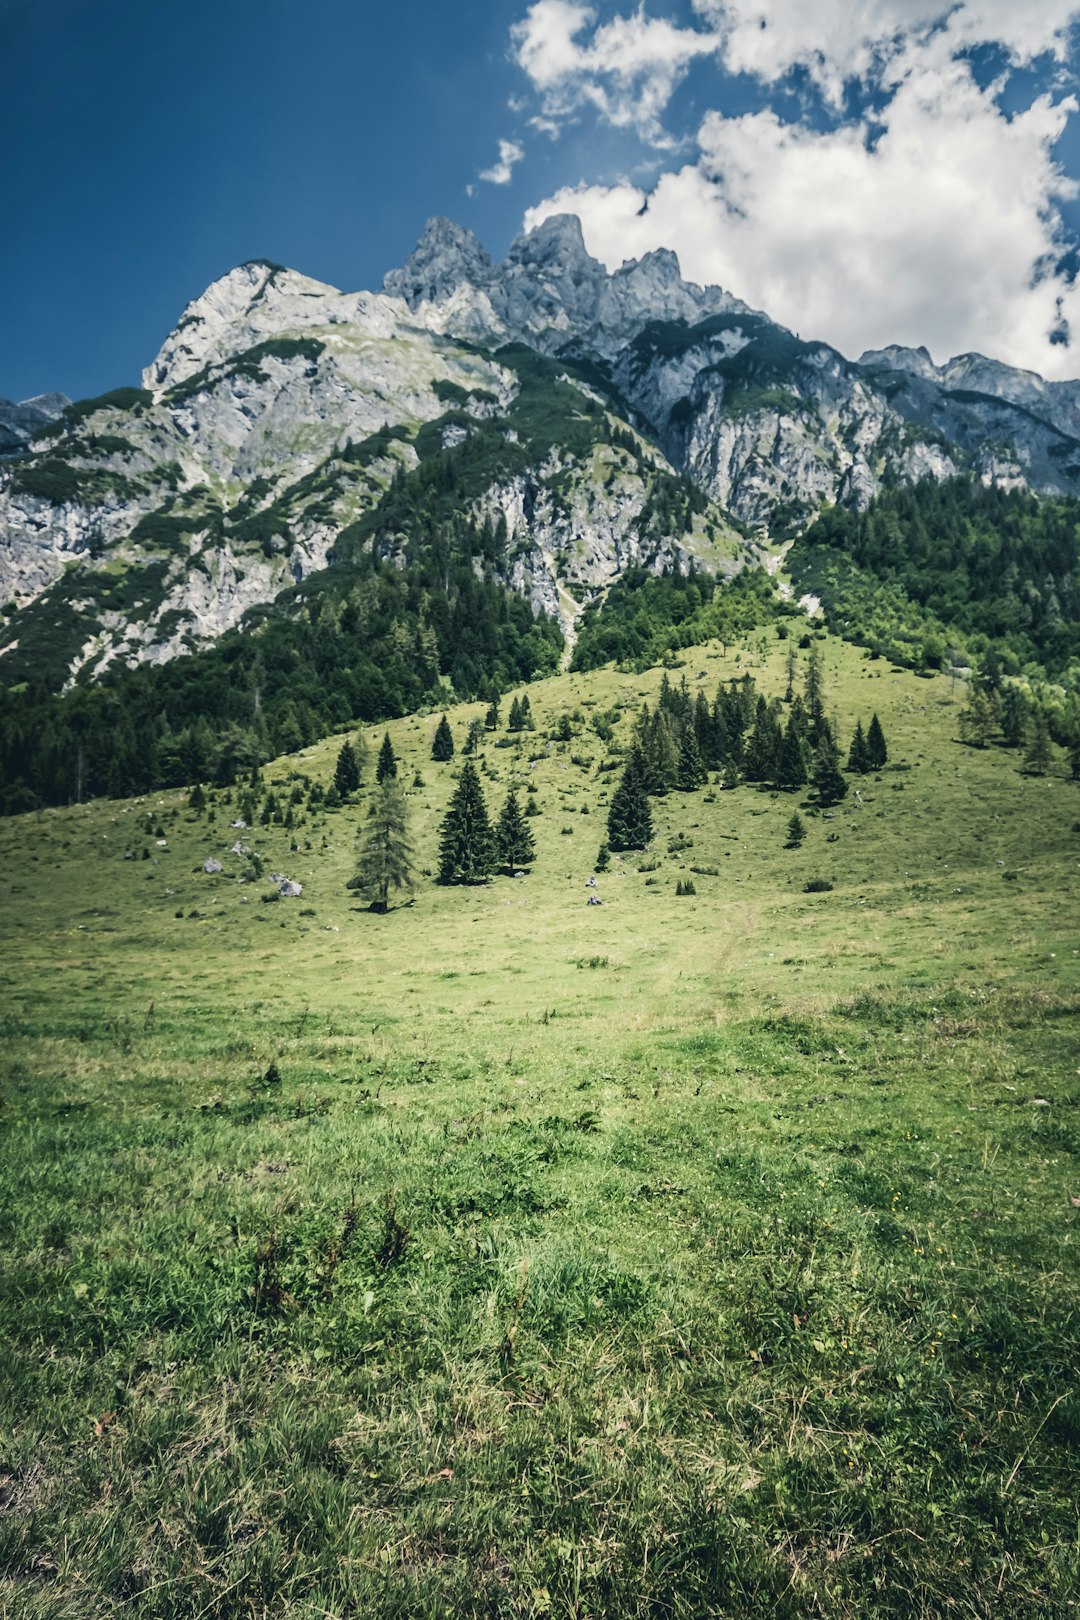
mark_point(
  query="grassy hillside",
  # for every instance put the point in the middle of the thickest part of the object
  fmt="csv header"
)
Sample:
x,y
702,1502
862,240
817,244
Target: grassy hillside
x,y
507,1256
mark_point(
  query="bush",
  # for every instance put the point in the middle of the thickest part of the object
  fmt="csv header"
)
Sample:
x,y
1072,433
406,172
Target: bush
x,y
817,886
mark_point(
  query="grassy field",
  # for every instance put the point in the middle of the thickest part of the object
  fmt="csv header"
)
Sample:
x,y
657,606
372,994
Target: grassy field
x,y
505,1256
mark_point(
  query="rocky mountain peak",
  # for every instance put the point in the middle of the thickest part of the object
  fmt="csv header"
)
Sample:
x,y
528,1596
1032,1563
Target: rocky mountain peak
x,y
446,256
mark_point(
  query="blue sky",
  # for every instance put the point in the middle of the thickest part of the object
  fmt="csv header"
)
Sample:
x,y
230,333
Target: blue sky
x,y
868,172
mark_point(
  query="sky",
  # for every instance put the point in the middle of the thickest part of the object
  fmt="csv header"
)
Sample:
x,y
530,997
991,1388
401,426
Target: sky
x,y
866,171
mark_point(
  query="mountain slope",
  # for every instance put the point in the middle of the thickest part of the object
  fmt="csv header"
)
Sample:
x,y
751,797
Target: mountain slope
x,y
605,422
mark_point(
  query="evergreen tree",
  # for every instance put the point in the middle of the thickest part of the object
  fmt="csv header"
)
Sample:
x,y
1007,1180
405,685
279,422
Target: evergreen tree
x,y
513,840
659,750
977,719
527,721
1014,716
691,772
1074,756
791,772
1037,752
491,719
814,693
347,770
387,763
515,722
473,736
466,841
386,854
796,831
762,755
197,799
789,690
442,748
603,858
827,778
858,755
876,751
629,815
703,729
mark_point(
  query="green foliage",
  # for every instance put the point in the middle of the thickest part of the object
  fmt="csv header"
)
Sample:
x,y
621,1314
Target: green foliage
x,y
514,842
467,852
347,770
386,764
796,831
644,616
629,816
442,747
53,478
959,565
387,857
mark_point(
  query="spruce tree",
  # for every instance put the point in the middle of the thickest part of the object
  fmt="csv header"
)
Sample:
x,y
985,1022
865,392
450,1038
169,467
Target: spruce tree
x,y
473,736
796,831
527,721
442,747
1037,753
387,763
466,841
386,854
347,770
876,751
1014,716
691,773
515,722
791,772
827,778
859,754
513,840
491,719
762,753
629,815
814,691
977,719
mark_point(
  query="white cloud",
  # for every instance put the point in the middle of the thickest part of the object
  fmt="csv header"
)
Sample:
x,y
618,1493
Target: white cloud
x,y
835,41
627,71
944,231
499,174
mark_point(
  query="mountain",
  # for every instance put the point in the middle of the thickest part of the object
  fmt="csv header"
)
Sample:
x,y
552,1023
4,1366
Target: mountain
x,y
596,423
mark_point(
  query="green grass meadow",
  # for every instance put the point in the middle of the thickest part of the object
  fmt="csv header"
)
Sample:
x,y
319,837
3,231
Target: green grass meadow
x,y
504,1256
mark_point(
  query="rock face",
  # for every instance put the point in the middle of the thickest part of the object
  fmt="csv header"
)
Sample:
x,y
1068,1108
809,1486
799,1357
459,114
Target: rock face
x,y
140,526
19,422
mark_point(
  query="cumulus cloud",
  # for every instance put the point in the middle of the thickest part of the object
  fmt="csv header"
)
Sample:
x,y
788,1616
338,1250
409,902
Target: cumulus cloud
x,y
942,231
510,152
626,71
835,41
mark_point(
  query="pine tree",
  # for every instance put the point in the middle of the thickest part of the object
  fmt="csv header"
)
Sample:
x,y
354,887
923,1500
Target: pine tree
x,y
466,841
603,858
876,751
513,840
796,831
527,721
515,722
197,799
1014,716
791,772
691,772
629,815
491,719
827,778
387,763
660,753
386,854
977,719
442,747
858,755
1037,753
814,694
473,736
762,753
347,770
